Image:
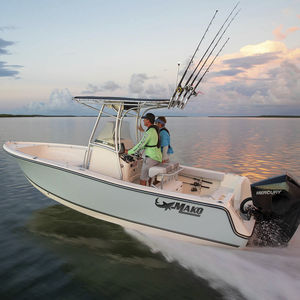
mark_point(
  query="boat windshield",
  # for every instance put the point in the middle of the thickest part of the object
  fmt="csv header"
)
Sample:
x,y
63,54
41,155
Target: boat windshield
x,y
105,134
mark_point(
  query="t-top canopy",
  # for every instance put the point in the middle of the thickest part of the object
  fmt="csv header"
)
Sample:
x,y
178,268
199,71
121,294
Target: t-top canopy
x,y
119,99
101,99
129,103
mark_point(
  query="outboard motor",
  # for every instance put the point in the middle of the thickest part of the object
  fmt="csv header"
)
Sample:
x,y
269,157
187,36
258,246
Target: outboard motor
x,y
276,204
276,195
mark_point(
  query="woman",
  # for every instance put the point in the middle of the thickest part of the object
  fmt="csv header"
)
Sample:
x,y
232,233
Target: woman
x,y
164,135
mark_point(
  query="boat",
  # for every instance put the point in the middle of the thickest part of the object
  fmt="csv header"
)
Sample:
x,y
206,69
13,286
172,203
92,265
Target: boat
x,y
186,203
183,202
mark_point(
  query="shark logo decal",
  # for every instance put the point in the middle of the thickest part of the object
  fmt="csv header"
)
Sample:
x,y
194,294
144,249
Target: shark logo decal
x,y
164,205
182,208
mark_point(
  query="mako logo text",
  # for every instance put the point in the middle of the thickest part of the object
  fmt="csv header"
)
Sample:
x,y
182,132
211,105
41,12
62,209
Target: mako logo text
x,y
182,208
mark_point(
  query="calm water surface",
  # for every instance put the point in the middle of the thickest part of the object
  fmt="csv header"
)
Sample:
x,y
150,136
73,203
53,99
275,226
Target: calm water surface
x,y
49,251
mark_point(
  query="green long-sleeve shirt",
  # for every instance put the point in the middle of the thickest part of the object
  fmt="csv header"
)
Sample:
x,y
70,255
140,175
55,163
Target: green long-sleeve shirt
x,y
150,138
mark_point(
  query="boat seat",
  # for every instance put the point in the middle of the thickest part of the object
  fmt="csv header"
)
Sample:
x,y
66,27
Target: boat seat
x,y
163,168
165,172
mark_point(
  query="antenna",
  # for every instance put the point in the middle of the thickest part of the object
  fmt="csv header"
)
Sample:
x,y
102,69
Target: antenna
x,y
178,67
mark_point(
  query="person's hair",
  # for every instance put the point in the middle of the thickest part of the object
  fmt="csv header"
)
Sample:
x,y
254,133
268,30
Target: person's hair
x,y
162,119
150,117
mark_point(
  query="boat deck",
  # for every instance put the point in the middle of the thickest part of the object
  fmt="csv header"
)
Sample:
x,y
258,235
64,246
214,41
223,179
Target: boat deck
x,y
63,154
204,189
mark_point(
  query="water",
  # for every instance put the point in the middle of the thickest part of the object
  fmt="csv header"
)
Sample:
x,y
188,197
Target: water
x,y
49,251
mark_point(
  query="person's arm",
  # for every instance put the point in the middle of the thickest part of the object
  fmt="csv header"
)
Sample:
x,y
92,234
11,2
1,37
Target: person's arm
x,y
141,145
140,128
165,156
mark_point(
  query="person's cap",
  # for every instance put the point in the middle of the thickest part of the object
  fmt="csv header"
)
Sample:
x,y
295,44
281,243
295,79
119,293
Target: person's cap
x,y
149,117
160,121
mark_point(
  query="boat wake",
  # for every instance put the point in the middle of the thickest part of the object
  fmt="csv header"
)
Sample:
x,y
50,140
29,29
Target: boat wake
x,y
253,273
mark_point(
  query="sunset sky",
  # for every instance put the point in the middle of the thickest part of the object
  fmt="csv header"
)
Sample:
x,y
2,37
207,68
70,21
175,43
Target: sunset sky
x,y
53,50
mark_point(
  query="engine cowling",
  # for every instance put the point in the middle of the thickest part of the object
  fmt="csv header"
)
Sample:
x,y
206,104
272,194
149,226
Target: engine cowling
x,y
276,195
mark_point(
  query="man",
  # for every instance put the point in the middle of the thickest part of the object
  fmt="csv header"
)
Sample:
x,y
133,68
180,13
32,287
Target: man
x,y
164,136
149,142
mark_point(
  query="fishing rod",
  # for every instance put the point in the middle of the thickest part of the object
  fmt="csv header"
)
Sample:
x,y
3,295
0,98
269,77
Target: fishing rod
x,y
186,87
206,71
191,88
193,92
178,87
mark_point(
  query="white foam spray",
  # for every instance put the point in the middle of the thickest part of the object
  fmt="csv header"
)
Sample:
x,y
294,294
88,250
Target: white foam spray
x,y
256,273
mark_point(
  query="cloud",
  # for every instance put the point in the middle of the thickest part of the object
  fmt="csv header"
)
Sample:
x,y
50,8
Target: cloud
x,y
278,95
4,44
110,86
248,62
255,60
228,72
287,84
156,91
107,86
4,28
59,103
282,87
279,33
264,47
259,79
142,85
91,89
5,69
269,82
59,100
136,84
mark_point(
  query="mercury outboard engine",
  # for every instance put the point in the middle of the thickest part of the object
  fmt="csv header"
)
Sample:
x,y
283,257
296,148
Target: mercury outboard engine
x,y
276,209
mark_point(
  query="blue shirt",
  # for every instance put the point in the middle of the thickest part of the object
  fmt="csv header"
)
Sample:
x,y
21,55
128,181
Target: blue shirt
x,y
165,140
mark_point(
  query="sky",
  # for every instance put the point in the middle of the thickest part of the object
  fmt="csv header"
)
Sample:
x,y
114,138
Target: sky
x,y
52,50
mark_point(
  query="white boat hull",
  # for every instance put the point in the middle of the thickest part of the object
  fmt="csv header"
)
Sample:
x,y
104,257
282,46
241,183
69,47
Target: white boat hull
x,y
134,206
